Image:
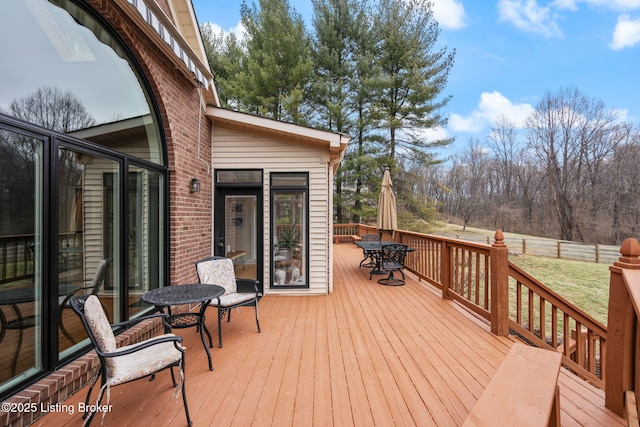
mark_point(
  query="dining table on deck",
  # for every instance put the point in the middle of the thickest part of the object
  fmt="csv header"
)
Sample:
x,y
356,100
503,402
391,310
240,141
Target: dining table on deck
x,y
375,247
165,297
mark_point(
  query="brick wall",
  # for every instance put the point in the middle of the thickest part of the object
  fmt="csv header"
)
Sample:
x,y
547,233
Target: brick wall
x,y
188,136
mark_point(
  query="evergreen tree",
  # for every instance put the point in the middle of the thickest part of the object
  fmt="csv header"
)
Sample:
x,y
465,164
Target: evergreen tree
x,y
227,58
278,63
415,74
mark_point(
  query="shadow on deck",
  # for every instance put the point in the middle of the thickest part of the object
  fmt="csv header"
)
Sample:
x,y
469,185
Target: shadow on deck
x,y
364,355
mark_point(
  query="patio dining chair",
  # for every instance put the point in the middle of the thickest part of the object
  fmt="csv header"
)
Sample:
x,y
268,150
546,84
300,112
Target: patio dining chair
x,y
238,292
369,259
120,365
93,288
393,256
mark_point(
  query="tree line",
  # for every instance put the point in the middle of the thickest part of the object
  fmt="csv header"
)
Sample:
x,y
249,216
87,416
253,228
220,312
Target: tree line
x,y
570,173
373,69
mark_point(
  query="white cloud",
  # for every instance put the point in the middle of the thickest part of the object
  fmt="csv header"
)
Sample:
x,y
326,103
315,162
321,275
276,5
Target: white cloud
x,y
626,33
492,106
434,134
608,4
238,29
566,4
528,16
449,14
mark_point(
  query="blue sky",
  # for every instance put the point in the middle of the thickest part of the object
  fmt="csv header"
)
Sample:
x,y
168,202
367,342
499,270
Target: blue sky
x,y
511,52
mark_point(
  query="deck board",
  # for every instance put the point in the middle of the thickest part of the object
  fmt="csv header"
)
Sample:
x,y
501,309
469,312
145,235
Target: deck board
x,y
365,354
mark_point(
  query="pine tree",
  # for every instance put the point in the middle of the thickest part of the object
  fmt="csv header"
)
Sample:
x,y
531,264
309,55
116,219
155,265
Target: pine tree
x,y
227,58
415,74
278,63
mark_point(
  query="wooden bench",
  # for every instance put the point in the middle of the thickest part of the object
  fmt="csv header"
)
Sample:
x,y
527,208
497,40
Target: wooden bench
x,y
523,392
346,238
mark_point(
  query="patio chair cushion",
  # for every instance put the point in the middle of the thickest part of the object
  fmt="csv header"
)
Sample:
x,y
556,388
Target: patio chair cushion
x,y
99,325
122,369
219,272
229,300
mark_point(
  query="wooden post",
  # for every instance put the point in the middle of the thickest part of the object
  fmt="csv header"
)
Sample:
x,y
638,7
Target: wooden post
x,y
619,374
445,269
499,286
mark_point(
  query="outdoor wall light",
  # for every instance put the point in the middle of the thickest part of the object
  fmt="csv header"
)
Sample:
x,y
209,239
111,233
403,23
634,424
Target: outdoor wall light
x,y
194,186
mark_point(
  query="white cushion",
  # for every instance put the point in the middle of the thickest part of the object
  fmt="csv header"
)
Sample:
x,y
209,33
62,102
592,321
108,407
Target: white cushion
x,y
232,299
99,325
141,363
218,272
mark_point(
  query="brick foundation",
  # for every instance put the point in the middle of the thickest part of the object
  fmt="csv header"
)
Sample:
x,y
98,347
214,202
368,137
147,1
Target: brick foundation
x,y
61,384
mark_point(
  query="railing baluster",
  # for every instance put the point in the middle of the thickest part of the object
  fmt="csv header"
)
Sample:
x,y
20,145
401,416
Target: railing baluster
x,y
467,272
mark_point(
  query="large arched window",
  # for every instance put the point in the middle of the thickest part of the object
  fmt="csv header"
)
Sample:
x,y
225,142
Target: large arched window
x,y
83,194
63,70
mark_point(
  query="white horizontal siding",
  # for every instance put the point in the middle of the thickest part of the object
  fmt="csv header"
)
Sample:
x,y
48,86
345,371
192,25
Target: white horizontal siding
x,y
236,150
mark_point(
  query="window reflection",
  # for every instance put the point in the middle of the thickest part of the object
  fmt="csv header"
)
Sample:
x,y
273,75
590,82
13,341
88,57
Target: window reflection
x,y
289,201
75,78
71,77
20,255
88,232
145,219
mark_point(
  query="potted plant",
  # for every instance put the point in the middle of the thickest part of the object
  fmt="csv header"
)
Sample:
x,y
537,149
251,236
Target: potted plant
x,y
288,241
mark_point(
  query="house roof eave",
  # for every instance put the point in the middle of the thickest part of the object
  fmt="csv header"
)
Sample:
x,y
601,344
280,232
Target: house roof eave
x,y
335,143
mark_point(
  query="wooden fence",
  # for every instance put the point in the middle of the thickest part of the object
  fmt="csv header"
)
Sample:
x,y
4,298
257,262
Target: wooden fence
x,y
605,254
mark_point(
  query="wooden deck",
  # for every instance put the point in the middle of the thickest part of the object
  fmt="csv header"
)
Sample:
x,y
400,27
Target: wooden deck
x,y
366,354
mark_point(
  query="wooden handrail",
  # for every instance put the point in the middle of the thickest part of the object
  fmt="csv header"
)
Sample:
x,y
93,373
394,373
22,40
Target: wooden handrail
x,y
546,319
479,277
18,252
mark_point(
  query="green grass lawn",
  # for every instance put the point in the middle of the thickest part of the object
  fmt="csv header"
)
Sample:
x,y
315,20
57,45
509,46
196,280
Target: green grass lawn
x,y
585,284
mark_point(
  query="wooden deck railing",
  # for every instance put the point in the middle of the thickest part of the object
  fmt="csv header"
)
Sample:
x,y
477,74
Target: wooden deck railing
x,y
549,321
17,255
481,278
16,258
623,375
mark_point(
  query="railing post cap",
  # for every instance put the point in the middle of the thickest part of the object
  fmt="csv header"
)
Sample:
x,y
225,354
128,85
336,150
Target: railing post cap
x,y
630,251
498,238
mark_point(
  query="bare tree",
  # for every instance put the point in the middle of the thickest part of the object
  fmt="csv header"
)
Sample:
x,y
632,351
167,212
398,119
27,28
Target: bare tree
x,y
503,143
52,109
569,135
624,185
55,110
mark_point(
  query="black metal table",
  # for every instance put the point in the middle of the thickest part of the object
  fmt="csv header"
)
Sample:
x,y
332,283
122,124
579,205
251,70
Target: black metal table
x,y
201,294
374,247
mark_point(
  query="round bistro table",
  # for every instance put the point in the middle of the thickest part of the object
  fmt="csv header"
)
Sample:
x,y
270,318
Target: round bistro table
x,y
164,298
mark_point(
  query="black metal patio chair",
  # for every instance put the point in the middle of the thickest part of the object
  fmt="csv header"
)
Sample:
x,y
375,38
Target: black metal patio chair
x,y
120,365
95,284
220,271
369,259
393,256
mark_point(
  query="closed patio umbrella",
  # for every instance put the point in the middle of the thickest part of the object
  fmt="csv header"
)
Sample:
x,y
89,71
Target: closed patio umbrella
x,y
387,214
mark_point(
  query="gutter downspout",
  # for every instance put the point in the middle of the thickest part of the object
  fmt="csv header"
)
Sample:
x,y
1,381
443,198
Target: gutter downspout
x,y
333,166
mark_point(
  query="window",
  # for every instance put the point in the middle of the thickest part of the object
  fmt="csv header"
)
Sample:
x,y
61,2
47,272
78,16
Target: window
x,y
67,62
83,184
22,287
289,232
